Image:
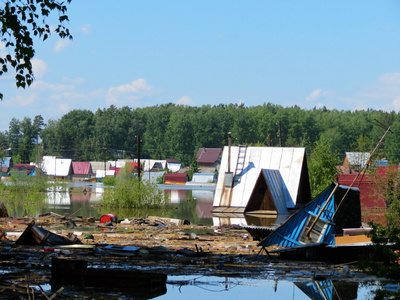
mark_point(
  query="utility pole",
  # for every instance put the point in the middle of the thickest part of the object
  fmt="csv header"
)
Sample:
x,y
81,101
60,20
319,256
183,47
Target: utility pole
x,y
229,151
138,154
104,158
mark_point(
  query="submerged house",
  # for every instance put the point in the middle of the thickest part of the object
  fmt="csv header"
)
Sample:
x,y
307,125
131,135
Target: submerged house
x,y
56,166
333,218
264,180
81,170
174,165
204,178
175,178
153,177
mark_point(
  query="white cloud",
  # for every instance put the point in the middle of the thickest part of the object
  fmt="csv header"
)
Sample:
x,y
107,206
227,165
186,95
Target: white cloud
x,y
185,100
315,95
128,93
86,28
63,109
39,67
44,86
21,101
390,79
61,45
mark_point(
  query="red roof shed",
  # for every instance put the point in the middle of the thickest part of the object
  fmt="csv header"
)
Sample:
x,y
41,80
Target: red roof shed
x,y
175,178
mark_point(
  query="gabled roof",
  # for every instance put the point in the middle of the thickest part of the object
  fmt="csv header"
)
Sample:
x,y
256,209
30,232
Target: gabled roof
x,y
149,164
276,189
81,168
53,165
247,163
99,165
208,155
173,161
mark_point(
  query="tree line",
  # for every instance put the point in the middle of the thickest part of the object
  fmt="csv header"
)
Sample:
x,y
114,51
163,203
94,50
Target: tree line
x,y
176,131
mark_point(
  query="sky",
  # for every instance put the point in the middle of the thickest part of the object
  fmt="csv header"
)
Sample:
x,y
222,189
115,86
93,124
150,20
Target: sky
x,y
339,54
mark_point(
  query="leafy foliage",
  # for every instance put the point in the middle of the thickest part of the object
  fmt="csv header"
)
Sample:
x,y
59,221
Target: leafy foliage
x,y
322,165
386,237
21,20
130,191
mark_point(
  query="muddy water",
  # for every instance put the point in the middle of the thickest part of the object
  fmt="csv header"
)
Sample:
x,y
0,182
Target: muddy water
x,y
195,206
83,199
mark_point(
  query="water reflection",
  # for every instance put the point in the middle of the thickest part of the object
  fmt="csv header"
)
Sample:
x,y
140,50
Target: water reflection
x,y
203,287
198,287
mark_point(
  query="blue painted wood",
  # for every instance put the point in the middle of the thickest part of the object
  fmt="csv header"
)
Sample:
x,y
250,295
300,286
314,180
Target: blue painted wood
x,y
289,233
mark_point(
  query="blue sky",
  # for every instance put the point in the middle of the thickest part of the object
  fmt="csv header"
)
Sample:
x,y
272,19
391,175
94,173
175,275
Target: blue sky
x,y
344,55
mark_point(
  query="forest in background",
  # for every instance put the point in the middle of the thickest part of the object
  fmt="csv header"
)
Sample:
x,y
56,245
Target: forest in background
x,y
176,131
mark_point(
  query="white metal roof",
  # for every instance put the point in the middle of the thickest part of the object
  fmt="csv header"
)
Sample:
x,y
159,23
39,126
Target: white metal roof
x,y
203,177
99,165
358,158
288,161
52,165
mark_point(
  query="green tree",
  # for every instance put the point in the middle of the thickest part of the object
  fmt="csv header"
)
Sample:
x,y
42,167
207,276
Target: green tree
x,y
386,236
322,165
20,22
14,134
392,143
130,192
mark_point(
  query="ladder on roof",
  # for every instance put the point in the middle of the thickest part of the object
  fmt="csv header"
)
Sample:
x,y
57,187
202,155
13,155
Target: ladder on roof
x,y
240,163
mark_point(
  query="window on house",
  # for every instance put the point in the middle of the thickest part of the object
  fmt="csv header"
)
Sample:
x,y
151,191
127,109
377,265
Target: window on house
x,y
316,232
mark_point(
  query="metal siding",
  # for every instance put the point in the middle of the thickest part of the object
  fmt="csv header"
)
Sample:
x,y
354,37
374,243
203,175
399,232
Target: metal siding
x,y
278,192
81,168
288,161
289,232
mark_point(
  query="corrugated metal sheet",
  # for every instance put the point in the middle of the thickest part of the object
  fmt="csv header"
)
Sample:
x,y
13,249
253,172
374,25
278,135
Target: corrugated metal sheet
x,y
204,177
152,176
175,178
52,165
288,234
279,191
288,161
81,168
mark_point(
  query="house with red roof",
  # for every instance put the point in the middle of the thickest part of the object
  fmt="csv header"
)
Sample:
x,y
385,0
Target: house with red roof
x,y
81,170
208,159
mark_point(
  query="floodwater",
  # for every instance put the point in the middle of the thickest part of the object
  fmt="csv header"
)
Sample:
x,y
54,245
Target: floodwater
x,y
195,205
